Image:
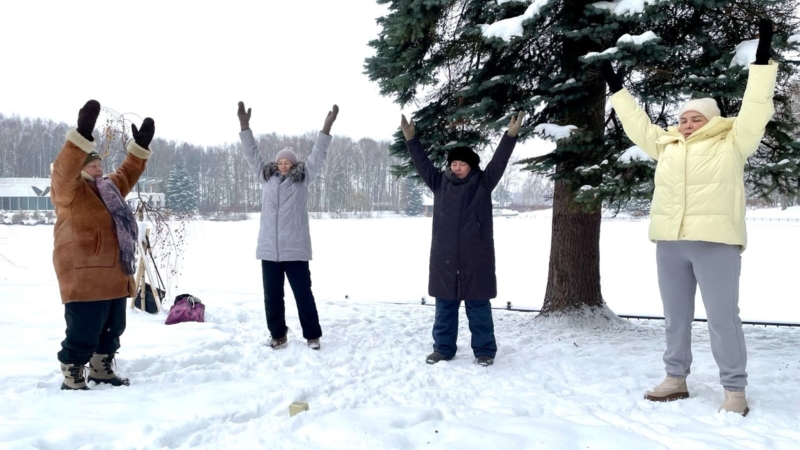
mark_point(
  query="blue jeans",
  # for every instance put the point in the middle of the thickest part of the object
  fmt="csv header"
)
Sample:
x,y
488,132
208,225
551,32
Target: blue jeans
x,y
445,327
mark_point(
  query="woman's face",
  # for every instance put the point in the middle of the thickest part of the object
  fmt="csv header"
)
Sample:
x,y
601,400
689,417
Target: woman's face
x,y
691,121
284,166
459,168
94,168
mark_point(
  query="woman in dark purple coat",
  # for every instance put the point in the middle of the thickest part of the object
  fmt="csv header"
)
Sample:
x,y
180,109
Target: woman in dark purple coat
x,y
462,249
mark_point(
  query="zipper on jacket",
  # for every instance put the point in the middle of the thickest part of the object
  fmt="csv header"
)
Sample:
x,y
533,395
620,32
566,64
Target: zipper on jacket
x,y
458,248
277,215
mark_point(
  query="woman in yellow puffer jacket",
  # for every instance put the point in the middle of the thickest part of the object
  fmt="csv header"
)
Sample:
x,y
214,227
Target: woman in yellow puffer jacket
x,y
697,218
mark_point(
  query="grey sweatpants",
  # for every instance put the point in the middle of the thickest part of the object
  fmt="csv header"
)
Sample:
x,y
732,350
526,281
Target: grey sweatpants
x,y
682,265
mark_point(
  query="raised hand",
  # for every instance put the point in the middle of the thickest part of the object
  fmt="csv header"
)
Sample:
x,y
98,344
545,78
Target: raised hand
x,y
244,117
764,50
87,118
613,79
143,136
408,128
516,124
330,119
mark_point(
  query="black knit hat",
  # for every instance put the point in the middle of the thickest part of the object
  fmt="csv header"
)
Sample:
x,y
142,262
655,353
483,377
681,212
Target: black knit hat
x,y
464,154
91,157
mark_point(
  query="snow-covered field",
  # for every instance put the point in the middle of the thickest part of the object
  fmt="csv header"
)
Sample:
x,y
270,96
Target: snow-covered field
x,y
554,385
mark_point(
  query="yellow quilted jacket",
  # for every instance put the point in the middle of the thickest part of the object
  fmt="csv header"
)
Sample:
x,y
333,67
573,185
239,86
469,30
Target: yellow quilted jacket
x,y
699,183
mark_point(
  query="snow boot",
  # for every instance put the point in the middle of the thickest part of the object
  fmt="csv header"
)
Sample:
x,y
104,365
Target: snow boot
x,y
435,357
485,361
101,370
279,342
736,402
313,344
74,379
670,389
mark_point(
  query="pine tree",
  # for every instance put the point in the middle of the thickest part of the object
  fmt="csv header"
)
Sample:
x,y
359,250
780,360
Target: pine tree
x,y
182,194
415,202
474,75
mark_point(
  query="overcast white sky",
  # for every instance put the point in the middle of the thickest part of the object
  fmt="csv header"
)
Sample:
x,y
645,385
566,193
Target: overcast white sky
x,y
187,64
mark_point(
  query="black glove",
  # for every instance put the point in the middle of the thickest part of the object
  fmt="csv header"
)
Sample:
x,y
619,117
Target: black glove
x,y
614,80
144,136
764,51
87,117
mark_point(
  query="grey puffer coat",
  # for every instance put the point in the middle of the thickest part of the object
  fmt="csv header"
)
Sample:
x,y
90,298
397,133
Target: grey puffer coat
x,y
284,234
462,264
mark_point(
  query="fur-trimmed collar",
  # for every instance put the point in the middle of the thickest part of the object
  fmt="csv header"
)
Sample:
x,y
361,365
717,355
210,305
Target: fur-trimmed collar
x,y
297,173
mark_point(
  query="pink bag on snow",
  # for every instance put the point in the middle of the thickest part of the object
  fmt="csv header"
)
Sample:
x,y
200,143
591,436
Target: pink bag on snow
x,y
187,308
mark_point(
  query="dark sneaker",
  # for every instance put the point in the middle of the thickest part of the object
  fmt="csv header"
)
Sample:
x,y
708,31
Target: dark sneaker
x,y
435,357
485,361
313,344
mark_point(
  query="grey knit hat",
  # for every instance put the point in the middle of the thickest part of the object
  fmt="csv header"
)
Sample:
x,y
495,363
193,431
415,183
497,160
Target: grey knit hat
x,y
287,153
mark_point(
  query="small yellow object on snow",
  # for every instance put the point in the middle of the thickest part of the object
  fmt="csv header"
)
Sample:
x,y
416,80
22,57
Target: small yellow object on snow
x,y
297,407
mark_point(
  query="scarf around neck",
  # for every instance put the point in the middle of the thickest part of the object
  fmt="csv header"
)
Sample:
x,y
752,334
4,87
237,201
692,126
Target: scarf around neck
x,y
124,222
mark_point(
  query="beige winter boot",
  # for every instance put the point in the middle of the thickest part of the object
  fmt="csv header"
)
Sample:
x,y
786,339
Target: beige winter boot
x,y
735,402
101,370
670,389
74,379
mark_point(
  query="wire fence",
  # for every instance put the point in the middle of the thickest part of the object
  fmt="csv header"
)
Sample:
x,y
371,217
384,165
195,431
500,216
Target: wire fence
x,y
786,220
635,317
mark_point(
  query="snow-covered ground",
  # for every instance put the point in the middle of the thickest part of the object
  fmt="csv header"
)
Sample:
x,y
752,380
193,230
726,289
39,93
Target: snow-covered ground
x,y
554,384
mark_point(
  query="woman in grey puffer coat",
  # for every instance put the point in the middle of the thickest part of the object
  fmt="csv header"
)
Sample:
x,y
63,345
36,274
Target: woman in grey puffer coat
x,y
284,242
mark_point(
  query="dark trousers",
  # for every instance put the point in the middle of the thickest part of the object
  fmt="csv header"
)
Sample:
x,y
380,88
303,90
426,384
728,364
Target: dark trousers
x,y
300,280
445,327
92,327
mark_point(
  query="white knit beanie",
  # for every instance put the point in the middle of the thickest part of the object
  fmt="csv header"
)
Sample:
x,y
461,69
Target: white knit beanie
x,y
705,106
287,153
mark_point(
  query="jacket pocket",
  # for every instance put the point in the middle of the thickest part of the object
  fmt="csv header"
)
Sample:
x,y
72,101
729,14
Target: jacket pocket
x,y
99,250
480,227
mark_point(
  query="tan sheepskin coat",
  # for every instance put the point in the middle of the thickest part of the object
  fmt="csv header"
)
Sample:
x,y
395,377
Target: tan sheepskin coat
x,y
86,251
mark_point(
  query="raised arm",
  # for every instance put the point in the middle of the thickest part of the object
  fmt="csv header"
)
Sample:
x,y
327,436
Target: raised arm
x,y
635,121
139,152
316,162
425,168
497,166
249,148
66,170
757,104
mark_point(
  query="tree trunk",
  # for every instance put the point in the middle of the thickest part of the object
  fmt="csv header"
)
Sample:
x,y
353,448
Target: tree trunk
x,y
573,280
574,274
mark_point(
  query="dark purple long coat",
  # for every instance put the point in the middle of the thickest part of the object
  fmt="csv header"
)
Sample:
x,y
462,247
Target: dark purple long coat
x,y
462,263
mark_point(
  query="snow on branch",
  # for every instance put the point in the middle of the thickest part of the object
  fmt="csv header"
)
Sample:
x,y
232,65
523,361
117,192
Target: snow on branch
x,y
745,53
640,39
555,131
634,154
637,39
625,7
592,55
507,28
